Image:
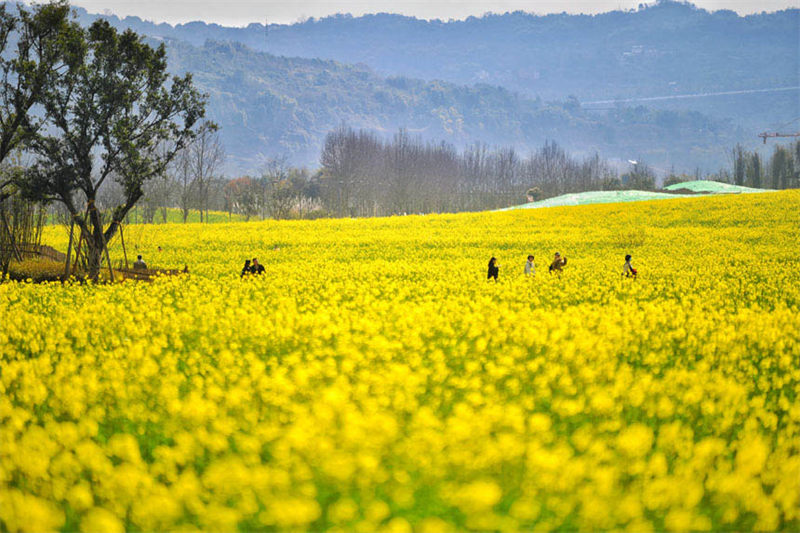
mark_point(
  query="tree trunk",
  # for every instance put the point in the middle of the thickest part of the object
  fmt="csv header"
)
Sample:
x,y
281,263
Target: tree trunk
x,y
94,256
69,249
96,241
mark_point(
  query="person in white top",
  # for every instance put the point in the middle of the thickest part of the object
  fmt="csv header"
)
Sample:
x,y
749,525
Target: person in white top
x,y
530,267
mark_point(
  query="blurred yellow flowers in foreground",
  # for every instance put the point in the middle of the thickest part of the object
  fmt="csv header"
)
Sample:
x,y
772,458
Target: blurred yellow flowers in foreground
x,y
374,380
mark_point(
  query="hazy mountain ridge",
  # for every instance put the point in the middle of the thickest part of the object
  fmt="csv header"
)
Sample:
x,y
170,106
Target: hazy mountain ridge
x,y
667,47
269,105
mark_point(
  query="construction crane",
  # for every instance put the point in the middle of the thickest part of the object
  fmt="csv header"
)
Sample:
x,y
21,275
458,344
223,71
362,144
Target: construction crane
x,y
767,134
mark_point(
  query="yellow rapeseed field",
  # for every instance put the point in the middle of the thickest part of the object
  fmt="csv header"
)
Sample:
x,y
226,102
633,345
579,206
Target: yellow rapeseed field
x,y
374,379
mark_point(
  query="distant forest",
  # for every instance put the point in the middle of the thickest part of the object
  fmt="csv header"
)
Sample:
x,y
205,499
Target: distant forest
x,y
272,106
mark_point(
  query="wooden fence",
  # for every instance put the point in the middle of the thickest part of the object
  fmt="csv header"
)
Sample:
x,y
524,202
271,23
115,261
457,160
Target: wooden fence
x,y
147,274
30,250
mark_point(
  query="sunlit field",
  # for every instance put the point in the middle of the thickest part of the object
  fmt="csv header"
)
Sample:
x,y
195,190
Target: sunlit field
x,y
373,379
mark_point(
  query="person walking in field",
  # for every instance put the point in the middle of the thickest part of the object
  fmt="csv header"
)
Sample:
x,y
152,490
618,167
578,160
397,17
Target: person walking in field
x,y
494,269
627,270
246,268
257,268
558,263
139,264
530,267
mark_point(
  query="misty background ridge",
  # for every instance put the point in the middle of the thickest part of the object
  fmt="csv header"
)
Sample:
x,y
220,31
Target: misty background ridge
x,y
514,80
241,13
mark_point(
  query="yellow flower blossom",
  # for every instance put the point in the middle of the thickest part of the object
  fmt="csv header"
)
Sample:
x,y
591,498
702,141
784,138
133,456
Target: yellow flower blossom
x,y
374,380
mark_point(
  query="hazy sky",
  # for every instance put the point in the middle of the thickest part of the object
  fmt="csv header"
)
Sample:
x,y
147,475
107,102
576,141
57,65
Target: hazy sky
x,y
243,12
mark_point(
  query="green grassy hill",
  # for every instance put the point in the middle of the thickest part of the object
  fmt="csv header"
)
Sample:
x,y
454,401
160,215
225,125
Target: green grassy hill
x,y
712,187
610,197
595,197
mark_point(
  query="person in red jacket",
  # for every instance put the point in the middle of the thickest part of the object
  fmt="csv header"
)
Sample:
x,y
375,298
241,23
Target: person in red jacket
x,y
558,263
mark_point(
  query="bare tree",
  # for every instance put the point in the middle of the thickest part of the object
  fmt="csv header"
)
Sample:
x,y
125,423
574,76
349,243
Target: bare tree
x,y
182,170
737,155
161,191
278,196
245,196
206,156
365,176
159,194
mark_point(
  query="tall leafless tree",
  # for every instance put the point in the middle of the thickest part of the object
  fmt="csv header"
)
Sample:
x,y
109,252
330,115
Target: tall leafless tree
x,y
206,156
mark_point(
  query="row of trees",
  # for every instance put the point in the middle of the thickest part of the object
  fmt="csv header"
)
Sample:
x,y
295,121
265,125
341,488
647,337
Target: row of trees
x,y
278,191
192,181
780,171
90,106
362,175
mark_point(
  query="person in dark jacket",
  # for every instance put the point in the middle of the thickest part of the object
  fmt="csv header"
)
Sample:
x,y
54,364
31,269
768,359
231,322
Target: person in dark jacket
x,y
257,267
246,268
627,269
494,269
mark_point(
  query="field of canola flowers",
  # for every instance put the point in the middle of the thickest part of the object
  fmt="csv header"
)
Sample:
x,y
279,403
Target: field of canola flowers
x,y
374,380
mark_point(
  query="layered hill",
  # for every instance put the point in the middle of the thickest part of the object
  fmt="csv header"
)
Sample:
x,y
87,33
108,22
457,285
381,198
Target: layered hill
x,y
269,105
620,53
513,79
667,49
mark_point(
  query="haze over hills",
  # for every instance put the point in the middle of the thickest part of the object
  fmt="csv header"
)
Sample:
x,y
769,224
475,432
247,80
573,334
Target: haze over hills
x,y
513,79
667,47
270,105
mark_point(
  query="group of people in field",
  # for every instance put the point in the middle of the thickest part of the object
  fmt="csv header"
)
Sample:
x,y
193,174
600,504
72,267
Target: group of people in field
x,y
557,266
255,268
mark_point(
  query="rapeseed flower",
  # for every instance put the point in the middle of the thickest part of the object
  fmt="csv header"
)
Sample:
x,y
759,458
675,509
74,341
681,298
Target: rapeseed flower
x,y
374,381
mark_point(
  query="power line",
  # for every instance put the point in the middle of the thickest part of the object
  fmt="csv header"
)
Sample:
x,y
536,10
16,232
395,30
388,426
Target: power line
x,y
787,124
694,95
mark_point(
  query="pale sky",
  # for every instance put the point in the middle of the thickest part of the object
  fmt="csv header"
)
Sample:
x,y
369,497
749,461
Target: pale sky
x,y
243,12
